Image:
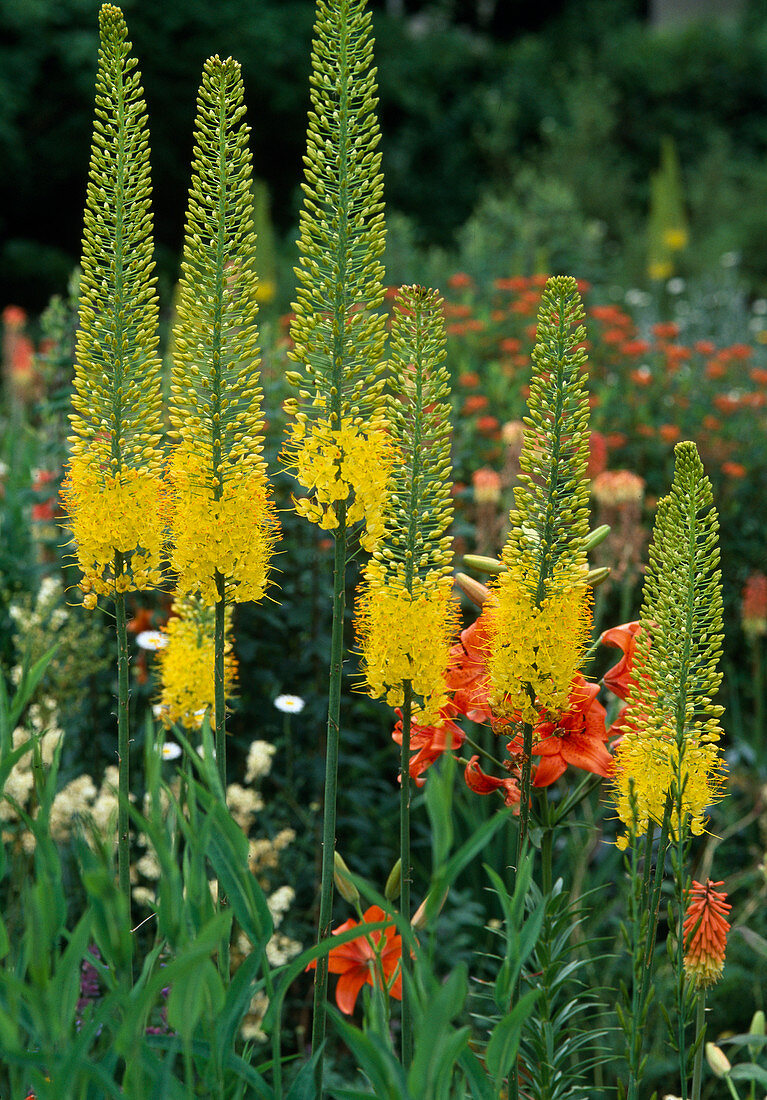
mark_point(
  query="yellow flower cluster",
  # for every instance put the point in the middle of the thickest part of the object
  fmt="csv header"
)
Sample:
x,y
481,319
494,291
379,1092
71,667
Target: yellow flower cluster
x,y
647,767
233,535
535,651
406,637
186,666
347,464
110,514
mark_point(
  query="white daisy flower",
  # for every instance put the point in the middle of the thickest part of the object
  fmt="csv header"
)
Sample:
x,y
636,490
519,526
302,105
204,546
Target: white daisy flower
x,y
151,639
171,751
289,704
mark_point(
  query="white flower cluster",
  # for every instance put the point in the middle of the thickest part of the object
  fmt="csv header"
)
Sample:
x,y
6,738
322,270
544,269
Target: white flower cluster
x,y
259,762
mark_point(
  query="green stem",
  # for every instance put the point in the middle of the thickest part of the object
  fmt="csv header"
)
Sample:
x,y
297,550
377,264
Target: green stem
x,y
700,1030
484,752
756,650
404,849
220,719
331,782
642,918
680,982
218,674
524,806
123,751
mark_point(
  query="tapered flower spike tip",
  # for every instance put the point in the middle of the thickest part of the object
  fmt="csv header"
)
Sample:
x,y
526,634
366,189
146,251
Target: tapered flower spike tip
x,y
112,495
406,613
222,518
336,446
671,722
540,622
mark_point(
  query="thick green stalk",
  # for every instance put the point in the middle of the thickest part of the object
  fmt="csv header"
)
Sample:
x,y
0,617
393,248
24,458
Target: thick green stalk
x,y
218,675
404,851
331,784
219,696
642,918
700,1030
524,805
123,746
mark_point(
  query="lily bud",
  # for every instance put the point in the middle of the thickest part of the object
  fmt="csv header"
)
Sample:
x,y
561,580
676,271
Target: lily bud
x,y
595,577
419,917
484,565
717,1060
394,882
599,534
477,592
344,884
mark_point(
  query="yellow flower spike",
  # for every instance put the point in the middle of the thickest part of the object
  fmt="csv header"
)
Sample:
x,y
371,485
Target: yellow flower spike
x,y
406,615
336,445
540,617
187,691
113,492
671,723
222,521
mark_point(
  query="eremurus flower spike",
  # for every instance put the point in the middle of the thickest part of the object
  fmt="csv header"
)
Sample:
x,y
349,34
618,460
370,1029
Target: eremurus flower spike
x,y
187,683
539,625
222,520
113,491
671,722
406,614
336,445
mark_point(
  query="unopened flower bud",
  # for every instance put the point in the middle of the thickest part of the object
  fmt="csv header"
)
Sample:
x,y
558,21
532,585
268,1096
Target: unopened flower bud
x,y
344,884
90,601
717,1060
394,882
484,565
599,534
418,920
595,577
477,592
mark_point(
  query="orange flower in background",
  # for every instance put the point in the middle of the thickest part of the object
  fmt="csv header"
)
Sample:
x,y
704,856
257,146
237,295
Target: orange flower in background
x,y
516,283
758,375
734,469
488,425
475,402
481,783
469,379
669,433
597,454
665,330
577,737
634,348
642,376
355,961
711,423
487,486
460,281
705,934
704,347
753,615
618,678
510,345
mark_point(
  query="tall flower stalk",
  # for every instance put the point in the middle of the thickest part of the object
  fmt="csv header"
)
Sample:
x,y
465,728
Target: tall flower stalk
x,y
223,523
406,615
668,769
336,445
113,491
539,618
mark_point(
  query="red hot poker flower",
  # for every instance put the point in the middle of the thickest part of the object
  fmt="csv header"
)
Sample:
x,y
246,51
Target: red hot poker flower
x,y
355,961
705,934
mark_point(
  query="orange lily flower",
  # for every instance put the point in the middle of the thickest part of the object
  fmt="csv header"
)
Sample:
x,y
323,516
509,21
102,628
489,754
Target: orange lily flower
x,y
481,783
618,678
355,961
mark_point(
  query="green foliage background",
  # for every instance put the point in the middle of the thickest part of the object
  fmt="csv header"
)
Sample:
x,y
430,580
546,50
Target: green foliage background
x,y
557,109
